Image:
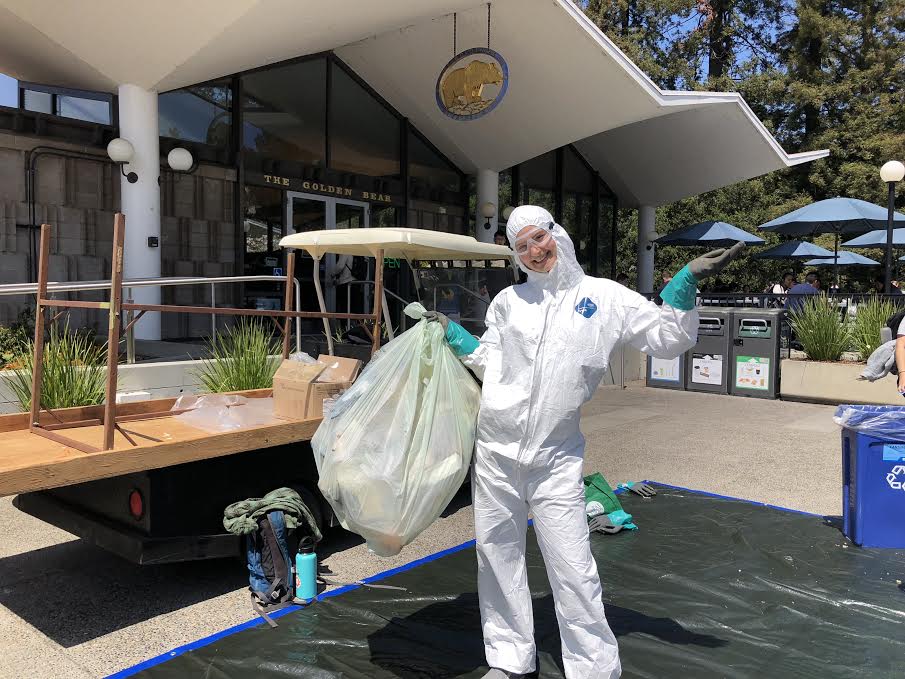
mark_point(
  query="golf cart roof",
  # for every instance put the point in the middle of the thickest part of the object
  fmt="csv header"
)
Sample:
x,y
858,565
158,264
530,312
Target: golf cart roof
x,y
411,244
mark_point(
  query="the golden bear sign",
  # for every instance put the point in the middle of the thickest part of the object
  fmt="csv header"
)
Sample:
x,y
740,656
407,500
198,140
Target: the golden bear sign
x,y
472,84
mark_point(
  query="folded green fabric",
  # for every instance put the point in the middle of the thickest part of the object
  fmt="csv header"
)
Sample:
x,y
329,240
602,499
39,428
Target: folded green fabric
x,y
599,498
241,518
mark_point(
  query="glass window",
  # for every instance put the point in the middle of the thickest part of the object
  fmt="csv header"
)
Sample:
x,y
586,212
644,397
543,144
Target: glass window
x,y
263,228
80,108
364,134
201,114
40,102
9,91
284,112
537,178
578,206
431,176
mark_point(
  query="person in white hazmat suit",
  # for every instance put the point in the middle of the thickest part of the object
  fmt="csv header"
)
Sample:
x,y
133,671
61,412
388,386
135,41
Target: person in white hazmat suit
x,y
546,347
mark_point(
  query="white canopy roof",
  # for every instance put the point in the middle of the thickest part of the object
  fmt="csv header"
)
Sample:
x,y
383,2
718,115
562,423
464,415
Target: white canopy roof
x,y
401,243
568,82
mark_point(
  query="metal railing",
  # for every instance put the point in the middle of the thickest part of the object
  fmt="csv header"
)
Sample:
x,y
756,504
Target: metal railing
x,y
11,289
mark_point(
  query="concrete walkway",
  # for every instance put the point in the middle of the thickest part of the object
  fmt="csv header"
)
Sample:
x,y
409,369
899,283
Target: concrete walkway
x,y
70,610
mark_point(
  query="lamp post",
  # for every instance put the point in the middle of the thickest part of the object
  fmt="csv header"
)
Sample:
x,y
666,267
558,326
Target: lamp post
x,y
891,172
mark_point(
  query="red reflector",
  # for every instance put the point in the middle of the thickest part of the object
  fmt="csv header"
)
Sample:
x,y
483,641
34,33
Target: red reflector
x,y
136,504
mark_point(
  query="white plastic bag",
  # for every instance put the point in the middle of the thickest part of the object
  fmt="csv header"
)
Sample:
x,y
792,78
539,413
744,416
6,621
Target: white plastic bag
x,y
394,449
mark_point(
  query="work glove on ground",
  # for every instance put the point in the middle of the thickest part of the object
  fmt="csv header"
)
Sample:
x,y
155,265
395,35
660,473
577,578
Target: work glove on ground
x,y
713,262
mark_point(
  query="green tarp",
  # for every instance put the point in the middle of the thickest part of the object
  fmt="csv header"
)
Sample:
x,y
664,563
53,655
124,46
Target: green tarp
x,y
708,587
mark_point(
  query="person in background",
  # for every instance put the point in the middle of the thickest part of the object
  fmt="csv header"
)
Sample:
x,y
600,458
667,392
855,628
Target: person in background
x,y
880,286
785,284
667,279
499,238
797,293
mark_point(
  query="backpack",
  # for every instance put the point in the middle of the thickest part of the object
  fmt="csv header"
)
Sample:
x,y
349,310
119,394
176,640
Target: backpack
x,y
268,552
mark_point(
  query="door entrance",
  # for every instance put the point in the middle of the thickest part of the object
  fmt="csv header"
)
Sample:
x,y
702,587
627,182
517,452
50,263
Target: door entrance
x,y
311,212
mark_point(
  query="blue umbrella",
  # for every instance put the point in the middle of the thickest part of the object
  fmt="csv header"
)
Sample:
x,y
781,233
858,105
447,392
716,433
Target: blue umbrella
x,y
877,239
835,215
712,234
794,249
845,258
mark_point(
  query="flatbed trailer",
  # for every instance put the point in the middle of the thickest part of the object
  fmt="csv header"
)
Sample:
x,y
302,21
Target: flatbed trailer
x,y
134,479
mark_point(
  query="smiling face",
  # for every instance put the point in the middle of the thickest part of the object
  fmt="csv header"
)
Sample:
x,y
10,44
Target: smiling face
x,y
536,249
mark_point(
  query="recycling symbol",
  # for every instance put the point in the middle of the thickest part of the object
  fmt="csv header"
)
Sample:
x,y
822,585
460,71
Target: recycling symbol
x,y
892,478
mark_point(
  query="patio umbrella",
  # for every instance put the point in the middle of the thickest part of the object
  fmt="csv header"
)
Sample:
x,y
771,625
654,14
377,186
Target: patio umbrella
x,y
877,239
795,249
843,258
834,215
711,234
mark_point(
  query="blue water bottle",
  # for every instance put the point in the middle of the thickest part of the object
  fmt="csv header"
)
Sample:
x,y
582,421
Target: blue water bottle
x,y
306,570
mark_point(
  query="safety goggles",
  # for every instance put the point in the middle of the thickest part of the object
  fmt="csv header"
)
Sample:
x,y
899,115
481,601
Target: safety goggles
x,y
540,238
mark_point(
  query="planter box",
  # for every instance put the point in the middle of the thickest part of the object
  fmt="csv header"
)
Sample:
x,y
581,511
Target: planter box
x,y
835,383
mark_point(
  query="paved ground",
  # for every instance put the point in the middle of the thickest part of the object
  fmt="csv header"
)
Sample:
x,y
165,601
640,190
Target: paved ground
x,y
69,610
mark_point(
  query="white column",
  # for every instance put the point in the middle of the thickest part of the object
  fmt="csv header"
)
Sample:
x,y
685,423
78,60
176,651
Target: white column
x,y
488,191
647,221
141,200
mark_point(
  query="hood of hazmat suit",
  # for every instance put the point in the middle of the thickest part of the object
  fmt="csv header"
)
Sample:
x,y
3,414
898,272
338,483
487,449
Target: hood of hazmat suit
x,y
547,346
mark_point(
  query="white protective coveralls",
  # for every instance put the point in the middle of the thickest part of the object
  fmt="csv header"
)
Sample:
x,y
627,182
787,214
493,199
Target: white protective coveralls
x,y
546,348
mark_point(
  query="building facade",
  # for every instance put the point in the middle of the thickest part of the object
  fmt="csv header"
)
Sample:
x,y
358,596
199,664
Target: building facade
x,y
300,145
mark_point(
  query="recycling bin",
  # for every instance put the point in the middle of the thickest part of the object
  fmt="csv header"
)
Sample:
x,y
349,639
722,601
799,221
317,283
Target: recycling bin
x,y
873,480
666,374
707,363
754,369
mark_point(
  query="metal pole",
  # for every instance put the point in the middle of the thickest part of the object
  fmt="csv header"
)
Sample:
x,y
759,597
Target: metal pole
x,y
130,333
889,217
213,316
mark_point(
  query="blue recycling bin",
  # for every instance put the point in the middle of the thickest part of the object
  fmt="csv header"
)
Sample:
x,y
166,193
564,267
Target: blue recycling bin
x,y
873,475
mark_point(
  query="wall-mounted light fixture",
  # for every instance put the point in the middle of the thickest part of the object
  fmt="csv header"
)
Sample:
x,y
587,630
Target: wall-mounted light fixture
x,y
507,211
122,152
488,211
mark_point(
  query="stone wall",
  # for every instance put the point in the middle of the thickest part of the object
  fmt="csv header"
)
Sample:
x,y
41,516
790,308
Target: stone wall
x,y
78,197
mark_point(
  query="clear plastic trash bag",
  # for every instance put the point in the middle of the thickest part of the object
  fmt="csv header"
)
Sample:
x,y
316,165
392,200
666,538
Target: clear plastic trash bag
x,y
882,422
216,413
394,449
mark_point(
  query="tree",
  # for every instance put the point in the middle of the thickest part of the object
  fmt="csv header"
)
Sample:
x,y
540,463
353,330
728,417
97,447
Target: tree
x,y
821,74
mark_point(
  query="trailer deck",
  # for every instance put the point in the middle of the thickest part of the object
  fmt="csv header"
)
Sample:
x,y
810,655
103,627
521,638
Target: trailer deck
x,y
29,462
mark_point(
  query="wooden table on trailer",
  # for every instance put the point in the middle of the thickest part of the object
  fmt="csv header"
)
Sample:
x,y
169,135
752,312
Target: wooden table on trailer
x,y
29,462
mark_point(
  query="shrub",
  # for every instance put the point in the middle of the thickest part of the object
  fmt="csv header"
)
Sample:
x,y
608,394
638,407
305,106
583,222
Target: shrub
x,y
12,344
241,358
74,371
820,329
870,319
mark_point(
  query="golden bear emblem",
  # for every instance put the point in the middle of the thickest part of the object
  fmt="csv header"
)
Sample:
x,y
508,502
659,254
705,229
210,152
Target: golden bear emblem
x,y
462,88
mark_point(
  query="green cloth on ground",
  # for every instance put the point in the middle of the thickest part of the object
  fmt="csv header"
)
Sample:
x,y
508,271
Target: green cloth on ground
x,y
599,499
241,518
596,489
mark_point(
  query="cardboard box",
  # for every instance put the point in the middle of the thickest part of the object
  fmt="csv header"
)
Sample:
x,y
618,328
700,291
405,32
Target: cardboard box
x,y
299,389
292,388
339,369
